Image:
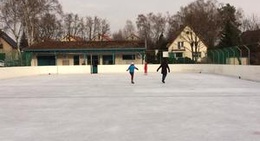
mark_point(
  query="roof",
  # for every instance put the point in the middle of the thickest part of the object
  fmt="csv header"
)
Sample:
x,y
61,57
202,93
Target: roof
x,y
177,34
102,37
86,45
133,37
72,38
8,39
250,37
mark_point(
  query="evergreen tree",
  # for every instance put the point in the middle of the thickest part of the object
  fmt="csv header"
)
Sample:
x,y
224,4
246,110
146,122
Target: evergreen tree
x,y
23,41
230,29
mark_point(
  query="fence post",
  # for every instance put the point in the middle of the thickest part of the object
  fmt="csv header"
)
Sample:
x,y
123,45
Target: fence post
x,y
248,54
234,54
240,55
223,55
227,56
218,56
213,60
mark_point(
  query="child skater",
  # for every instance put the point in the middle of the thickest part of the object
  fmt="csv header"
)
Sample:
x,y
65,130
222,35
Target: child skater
x,y
131,70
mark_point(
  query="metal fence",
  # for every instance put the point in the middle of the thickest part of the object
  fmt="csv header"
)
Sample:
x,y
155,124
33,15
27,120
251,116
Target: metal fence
x,y
24,59
239,55
229,55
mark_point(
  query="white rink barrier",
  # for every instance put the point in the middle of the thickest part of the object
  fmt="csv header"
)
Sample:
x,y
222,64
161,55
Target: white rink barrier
x,y
239,71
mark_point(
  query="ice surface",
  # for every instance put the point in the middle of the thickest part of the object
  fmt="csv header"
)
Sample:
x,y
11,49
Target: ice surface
x,y
107,107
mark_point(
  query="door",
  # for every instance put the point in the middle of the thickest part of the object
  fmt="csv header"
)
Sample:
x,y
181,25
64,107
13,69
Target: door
x,y
95,63
46,60
76,59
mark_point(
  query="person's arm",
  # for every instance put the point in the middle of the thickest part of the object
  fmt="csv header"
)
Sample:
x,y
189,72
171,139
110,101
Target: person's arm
x,y
159,67
168,68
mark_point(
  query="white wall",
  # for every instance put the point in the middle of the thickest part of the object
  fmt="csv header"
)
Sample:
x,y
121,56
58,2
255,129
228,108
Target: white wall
x,y
12,72
242,71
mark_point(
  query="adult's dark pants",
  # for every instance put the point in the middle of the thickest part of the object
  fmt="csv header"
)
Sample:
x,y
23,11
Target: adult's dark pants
x,y
164,76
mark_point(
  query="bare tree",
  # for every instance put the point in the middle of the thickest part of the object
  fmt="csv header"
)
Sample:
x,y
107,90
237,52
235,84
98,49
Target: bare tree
x,y
82,28
158,24
32,11
105,27
96,27
11,17
49,28
129,29
250,23
151,26
74,25
68,24
89,27
143,26
119,36
173,27
204,19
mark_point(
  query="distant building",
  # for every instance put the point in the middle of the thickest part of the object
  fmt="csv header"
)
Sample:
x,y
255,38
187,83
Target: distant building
x,y
102,37
86,52
180,47
71,38
133,37
8,47
251,39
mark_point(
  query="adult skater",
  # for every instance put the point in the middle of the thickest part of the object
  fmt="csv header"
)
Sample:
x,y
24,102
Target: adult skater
x,y
164,66
131,70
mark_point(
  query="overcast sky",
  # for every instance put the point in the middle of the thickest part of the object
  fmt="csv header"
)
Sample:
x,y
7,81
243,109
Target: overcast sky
x,y
118,11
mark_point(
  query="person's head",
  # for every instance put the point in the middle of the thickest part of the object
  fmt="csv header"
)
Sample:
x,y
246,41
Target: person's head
x,y
164,60
132,63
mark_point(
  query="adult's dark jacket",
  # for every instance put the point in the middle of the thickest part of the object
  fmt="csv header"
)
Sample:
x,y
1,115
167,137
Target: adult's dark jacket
x,y
164,67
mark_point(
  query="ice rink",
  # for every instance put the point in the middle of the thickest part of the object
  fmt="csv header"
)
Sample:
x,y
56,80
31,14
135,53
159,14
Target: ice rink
x,y
107,107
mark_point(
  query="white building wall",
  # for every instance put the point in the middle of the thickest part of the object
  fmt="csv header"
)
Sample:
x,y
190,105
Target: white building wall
x,y
118,60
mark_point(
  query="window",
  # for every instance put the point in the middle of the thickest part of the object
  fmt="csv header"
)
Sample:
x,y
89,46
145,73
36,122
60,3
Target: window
x,y
179,55
107,59
129,57
65,60
2,56
196,54
93,60
180,45
46,60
